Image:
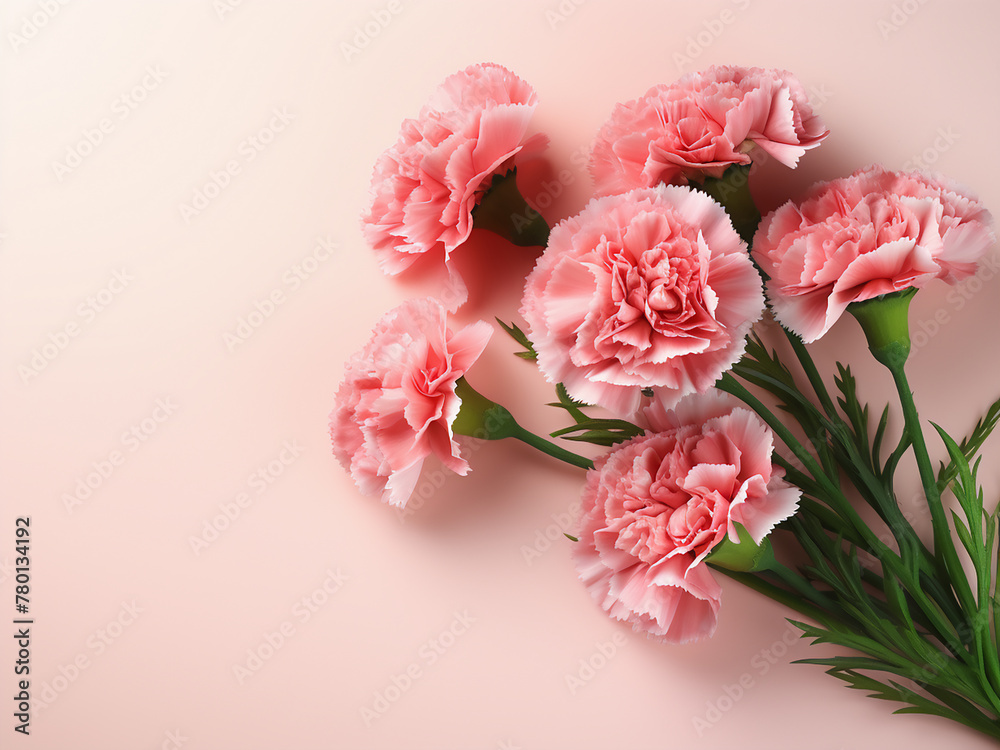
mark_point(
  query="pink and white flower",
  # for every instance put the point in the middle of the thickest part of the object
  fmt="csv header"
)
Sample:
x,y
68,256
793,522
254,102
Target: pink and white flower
x,y
702,124
862,236
425,187
397,402
656,506
653,288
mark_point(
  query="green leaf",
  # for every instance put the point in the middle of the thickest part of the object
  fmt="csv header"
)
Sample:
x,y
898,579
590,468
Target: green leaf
x,y
568,403
852,408
980,548
889,691
915,702
971,445
896,599
764,369
883,423
964,485
606,432
521,338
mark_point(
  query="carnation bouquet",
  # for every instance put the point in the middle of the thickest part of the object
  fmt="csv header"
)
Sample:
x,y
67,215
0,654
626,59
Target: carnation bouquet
x,y
717,446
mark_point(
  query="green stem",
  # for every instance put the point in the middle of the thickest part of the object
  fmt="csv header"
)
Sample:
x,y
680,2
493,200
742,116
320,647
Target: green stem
x,y
944,548
551,449
802,587
487,420
884,320
942,532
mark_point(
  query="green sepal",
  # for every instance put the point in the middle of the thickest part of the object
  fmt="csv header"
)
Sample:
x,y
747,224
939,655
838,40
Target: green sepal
x,y
884,320
744,556
504,212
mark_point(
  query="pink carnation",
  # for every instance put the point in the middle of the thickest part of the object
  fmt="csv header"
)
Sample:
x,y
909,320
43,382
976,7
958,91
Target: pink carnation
x,y
701,125
397,402
425,187
652,288
862,236
656,506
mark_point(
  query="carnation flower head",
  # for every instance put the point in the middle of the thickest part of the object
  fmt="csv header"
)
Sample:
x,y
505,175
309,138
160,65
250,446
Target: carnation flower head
x,y
425,187
397,402
657,505
853,239
702,124
652,288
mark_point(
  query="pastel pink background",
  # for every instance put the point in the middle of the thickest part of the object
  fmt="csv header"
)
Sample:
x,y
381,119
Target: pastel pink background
x,y
166,678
